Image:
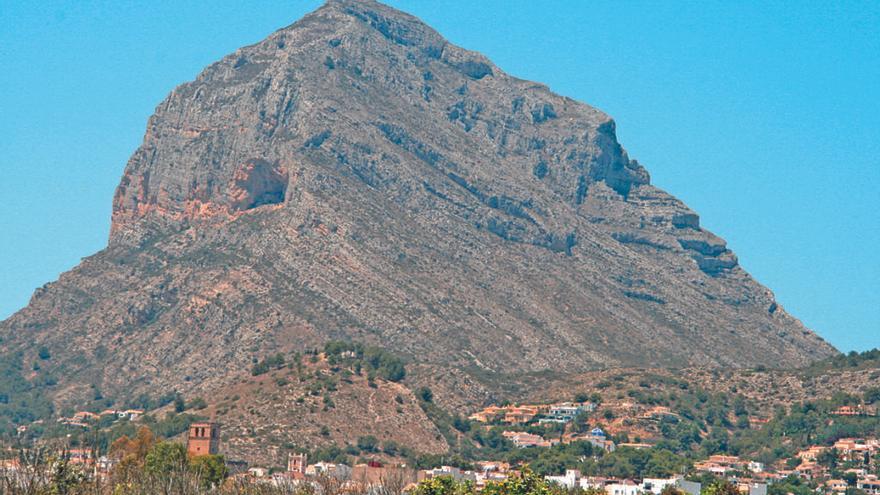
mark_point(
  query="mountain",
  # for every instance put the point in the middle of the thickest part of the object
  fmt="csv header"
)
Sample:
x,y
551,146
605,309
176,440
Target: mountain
x,y
354,176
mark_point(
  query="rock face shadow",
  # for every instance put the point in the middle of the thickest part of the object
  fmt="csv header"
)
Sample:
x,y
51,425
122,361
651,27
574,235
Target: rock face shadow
x,y
257,183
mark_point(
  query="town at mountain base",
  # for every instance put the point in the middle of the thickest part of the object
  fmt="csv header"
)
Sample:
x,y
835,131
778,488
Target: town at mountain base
x,y
623,432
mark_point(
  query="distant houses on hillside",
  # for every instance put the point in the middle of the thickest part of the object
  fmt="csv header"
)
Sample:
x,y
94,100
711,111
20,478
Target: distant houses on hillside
x,y
858,410
563,412
84,418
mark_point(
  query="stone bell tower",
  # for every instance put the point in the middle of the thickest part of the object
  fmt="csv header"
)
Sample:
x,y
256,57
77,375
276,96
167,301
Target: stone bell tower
x,y
203,439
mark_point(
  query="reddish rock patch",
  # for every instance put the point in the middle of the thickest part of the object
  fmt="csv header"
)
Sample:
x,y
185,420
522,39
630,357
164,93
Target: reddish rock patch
x,y
256,183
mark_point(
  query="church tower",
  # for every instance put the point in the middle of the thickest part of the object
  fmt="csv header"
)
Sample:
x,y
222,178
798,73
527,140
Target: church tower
x,y
203,439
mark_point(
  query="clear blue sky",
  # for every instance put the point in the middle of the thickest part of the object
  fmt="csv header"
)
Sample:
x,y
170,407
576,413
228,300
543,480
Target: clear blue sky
x,y
763,118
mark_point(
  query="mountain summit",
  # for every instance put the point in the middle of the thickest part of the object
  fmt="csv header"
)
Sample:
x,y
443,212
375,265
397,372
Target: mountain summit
x,y
356,176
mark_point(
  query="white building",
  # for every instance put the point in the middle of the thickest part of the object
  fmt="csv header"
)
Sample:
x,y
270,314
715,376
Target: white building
x,y
625,487
338,471
656,485
562,413
452,472
870,484
569,480
590,482
258,472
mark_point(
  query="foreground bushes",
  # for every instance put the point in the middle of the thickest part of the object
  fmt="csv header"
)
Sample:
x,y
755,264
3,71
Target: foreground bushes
x,y
142,466
527,483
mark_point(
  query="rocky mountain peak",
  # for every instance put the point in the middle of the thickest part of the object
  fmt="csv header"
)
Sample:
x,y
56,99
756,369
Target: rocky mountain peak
x,y
385,69
355,176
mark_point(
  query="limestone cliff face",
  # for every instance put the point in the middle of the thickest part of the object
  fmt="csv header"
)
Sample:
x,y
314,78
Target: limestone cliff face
x,y
354,175
375,95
